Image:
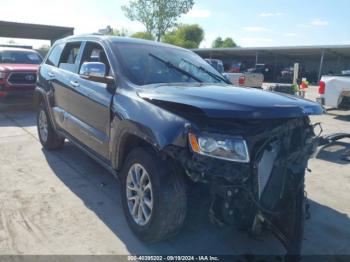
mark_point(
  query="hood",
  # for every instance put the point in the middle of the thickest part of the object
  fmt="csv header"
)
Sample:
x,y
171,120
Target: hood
x,y
227,101
19,67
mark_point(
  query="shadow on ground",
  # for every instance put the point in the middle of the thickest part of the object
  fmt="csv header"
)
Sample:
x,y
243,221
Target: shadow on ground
x,y
339,114
327,230
23,116
336,152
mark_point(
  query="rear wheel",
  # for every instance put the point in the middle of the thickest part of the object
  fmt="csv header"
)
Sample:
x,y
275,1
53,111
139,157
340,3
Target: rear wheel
x,y
47,135
153,196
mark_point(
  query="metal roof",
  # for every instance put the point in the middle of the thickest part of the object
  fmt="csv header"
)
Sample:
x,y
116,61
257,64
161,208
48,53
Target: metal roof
x,y
18,49
33,31
117,39
342,50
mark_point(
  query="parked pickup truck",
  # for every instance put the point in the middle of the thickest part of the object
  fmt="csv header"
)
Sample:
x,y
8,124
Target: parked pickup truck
x,y
158,117
246,79
18,69
334,91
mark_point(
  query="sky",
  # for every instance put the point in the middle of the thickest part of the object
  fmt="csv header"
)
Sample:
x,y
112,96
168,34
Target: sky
x,y
252,23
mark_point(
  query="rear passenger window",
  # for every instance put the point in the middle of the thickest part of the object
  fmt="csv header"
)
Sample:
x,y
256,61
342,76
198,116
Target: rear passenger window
x,y
69,56
55,55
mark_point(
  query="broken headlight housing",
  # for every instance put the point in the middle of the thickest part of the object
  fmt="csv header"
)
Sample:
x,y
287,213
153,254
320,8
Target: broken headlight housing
x,y
226,148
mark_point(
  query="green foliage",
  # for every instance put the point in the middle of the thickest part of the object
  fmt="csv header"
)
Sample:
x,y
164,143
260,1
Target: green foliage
x,y
157,16
43,50
143,35
116,32
226,43
112,31
217,42
187,36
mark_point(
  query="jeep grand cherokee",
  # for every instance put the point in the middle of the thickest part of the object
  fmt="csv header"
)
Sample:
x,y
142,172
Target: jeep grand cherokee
x,y
158,116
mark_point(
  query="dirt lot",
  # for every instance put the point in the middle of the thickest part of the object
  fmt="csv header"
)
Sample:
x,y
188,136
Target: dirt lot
x,y
64,203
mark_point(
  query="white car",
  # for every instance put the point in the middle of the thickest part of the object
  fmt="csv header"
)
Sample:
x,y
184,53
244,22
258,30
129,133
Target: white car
x,y
334,91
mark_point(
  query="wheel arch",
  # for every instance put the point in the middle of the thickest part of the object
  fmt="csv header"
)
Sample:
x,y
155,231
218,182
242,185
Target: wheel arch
x,y
39,97
129,142
127,135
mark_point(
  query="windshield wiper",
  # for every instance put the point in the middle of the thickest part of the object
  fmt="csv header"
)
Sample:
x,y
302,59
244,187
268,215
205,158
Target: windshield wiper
x,y
207,71
170,65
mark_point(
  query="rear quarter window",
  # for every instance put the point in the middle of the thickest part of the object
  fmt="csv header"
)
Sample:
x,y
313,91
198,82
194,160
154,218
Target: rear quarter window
x,y
54,56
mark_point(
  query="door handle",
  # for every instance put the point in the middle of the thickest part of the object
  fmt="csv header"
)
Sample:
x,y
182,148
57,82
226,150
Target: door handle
x,y
74,83
50,74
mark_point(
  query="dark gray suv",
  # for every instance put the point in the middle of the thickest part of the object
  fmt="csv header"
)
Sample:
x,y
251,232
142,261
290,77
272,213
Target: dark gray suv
x,y
158,116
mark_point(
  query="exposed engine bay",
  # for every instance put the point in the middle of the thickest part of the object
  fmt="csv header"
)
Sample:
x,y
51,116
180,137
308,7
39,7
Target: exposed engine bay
x,y
267,192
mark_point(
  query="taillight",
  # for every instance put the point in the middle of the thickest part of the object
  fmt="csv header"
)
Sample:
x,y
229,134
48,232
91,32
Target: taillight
x,y
241,80
322,88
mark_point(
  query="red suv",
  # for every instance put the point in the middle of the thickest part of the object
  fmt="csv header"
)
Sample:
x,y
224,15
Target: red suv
x,y
18,70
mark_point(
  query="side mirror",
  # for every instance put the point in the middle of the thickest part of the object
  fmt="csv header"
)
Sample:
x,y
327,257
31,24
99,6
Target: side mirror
x,y
95,71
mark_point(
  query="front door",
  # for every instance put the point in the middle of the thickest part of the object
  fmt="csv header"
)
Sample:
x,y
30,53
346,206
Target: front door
x,y
91,108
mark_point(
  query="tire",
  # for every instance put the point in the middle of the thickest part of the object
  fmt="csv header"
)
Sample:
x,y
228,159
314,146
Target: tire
x,y
51,140
168,196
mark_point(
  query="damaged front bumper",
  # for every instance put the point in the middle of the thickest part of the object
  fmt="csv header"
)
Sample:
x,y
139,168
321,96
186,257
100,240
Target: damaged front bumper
x,y
267,192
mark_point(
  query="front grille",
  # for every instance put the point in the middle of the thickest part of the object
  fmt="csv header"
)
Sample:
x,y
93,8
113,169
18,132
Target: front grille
x,y
22,78
280,161
266,165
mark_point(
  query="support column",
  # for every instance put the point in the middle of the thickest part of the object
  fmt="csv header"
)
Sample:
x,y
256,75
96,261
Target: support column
x,y
321,65
256,57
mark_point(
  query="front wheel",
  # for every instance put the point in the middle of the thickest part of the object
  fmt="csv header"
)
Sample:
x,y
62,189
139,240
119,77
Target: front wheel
x,y
153,196
47,135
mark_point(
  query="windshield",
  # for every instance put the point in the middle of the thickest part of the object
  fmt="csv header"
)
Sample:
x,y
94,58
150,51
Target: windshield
x,y
19,57
146,64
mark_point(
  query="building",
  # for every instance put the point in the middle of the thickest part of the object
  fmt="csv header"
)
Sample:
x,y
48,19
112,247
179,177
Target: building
x,y
314,61
34,31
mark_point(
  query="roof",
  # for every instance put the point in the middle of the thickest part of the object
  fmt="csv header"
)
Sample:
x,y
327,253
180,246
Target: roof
x,y
33,31
343,50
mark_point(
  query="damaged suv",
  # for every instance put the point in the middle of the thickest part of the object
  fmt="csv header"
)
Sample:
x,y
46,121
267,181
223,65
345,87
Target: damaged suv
x,y
157,116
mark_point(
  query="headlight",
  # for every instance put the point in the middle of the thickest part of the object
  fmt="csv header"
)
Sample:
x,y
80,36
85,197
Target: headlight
x,y
2,75
227,148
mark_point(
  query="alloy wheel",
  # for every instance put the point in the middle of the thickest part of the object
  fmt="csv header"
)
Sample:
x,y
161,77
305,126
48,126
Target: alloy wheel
x,y
139,194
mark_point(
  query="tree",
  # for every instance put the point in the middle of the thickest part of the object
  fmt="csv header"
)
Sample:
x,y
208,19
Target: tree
x,y
113,31
187,36
43,50
157,16
228,42
143,35
219,43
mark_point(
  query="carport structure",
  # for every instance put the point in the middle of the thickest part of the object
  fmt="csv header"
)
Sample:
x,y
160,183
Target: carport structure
x,y
34,31
317,60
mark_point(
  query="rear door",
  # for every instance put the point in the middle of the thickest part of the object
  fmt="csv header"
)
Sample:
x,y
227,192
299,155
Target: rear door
x,y
64,89
48,70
